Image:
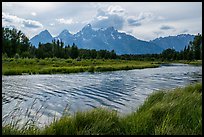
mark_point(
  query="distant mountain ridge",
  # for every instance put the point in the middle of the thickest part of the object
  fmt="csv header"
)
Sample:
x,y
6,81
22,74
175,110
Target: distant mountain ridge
x,y
176,42
110,39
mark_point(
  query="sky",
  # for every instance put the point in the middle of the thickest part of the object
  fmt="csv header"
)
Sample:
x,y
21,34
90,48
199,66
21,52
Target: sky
x,y
143,20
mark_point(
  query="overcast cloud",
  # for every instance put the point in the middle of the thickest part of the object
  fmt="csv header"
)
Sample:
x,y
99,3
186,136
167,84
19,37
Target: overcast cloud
x,y
113,16
145,21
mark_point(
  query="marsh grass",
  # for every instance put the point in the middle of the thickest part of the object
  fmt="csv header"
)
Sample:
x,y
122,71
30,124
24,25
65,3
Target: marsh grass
x,y
12,66
169,112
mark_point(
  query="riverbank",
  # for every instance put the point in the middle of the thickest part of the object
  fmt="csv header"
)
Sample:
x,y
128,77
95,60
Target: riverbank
x,y
11,66
174,112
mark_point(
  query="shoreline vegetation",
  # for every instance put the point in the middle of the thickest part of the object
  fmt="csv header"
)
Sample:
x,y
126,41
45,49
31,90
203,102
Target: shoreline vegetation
x,y
12,66
22,66
164,112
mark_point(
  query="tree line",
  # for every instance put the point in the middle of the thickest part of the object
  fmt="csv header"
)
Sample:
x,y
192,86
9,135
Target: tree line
x,y
16,44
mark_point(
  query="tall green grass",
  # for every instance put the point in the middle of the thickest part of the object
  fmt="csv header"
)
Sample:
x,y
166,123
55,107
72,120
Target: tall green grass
x,y
175,112
168,113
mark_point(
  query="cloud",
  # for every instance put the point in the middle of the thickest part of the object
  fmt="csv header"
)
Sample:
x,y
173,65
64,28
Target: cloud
x,y
109,21
33,13
166,27
115,10
133,22
143,17
158,32
161,18
10,18
66,21
52,24
112,17
32,24
184,31
20,22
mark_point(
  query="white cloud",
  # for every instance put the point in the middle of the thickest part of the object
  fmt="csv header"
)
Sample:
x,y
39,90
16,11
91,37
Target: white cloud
x,y
52,24
33,13
32,24
113,16
11,18
145,17
20,22
66,21
115,9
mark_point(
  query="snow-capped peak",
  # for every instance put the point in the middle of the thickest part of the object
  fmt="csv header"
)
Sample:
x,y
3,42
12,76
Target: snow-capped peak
x,y
88,26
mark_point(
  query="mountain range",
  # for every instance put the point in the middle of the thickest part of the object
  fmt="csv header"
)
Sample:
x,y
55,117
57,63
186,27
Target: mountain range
x,y
110,39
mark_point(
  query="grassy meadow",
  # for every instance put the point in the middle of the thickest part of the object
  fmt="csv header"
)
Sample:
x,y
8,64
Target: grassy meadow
x,y
173,112
12,66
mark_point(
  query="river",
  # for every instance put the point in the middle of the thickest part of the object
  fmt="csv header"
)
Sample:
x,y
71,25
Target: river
x,y
46,96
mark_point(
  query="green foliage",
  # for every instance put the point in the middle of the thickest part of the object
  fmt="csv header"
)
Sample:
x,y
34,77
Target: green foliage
x,y
74,53
169,54
14,42
196,46
172,112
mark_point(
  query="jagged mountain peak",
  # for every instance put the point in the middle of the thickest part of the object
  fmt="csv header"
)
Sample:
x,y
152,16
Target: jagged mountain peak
x,y
110,39
64,33
45,31
42,37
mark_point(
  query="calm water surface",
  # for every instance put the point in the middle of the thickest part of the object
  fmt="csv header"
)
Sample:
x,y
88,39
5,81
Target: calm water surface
x,y
46,96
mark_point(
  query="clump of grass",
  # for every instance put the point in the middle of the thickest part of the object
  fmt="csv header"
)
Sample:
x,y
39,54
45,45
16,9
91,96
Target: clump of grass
x,y
94,122
175,112
168,113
